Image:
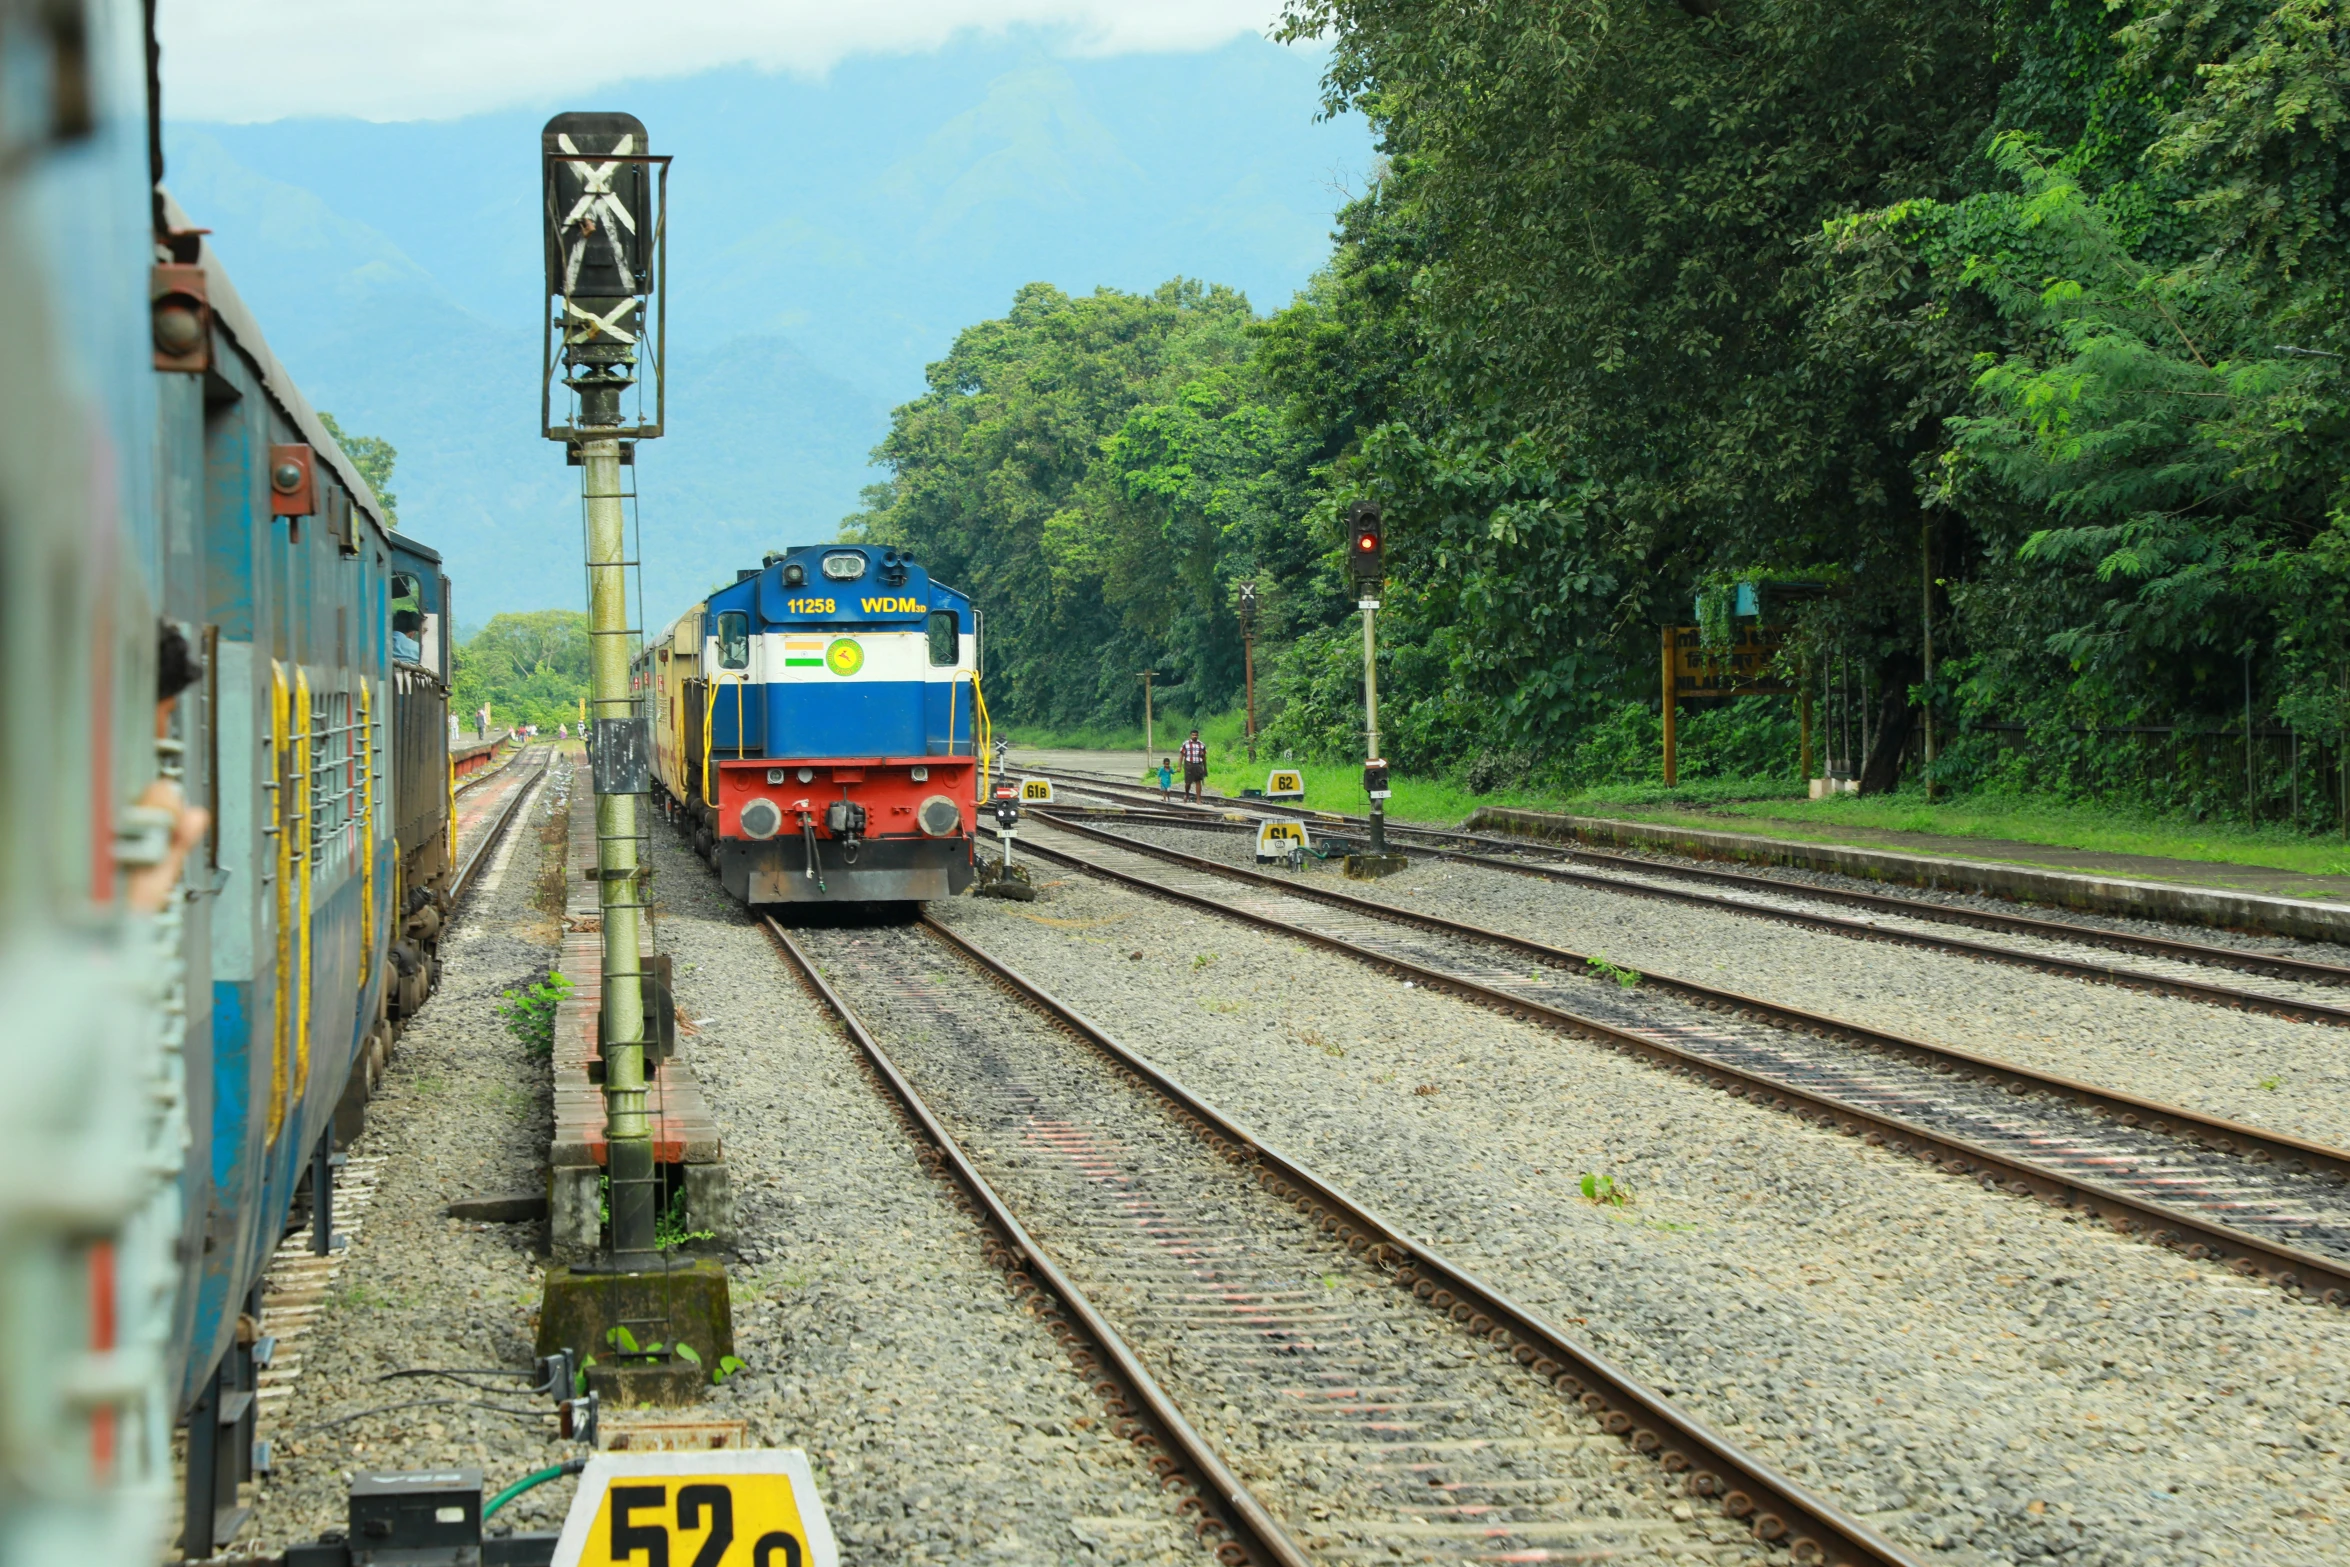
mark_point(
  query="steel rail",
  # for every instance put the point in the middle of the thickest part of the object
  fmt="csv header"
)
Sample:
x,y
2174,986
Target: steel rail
x,y
2229,1136
2273,965
2050,963
1743,1485
1243,1516
2289,1267
475,780
497,830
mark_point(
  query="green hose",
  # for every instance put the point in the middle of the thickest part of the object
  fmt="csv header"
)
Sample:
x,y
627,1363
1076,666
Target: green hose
x,y
569,1466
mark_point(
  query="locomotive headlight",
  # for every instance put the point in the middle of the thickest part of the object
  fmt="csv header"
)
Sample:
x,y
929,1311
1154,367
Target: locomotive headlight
x,y
762,818
775,775
844,565
918,774
807,775
794,575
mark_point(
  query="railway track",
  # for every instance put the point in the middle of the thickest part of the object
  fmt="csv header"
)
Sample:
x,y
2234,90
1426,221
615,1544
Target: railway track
x,y
2309,991
2267,1204
478,855
1325,1388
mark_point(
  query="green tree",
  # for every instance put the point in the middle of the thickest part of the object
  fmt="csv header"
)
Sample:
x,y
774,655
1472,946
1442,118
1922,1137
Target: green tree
x,y
373,456
532,668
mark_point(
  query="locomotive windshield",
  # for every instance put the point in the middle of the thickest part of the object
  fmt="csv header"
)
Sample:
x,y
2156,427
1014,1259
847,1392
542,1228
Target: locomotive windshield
x,y
943,639
734,640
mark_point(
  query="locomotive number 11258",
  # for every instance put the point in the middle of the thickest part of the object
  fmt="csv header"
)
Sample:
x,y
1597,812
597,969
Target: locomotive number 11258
x,y
810,606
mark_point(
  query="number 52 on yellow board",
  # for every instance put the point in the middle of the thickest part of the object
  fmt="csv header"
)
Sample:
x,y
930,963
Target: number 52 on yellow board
x,y
748,1508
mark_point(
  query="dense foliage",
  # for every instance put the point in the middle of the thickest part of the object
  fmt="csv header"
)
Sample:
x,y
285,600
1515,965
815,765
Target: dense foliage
x,y
530,668
374,457
2024,315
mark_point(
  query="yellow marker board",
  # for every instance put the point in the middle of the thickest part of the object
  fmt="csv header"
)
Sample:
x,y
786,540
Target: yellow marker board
x,y
1281,784
1275,840
1036,791
748,1508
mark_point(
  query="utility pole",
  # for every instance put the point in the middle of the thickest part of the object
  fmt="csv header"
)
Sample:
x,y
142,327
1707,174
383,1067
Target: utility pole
x,y
1672,755
1926,618
1149,740
1248,659
603,271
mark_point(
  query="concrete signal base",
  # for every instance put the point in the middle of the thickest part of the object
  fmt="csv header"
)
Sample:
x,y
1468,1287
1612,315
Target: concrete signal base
x,y
686,1305
1370,867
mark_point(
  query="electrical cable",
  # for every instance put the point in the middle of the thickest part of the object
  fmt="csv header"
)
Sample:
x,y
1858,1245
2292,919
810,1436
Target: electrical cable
x,y
419,1403
458,1374
569,1466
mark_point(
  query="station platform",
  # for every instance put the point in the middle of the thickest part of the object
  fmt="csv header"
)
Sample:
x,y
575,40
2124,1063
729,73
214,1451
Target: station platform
x,y
685,1137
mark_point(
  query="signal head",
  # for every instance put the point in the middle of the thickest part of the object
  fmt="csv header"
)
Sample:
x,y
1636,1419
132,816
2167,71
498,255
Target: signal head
x,y
1366,527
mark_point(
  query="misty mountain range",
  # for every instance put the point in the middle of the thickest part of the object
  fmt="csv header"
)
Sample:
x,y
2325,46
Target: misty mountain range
x,y
827,240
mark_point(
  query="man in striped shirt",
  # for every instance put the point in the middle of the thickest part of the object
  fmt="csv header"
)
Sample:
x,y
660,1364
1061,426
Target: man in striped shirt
x,y
1195,769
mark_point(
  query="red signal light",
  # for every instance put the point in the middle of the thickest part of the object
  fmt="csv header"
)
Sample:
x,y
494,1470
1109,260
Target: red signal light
x,y
1368,527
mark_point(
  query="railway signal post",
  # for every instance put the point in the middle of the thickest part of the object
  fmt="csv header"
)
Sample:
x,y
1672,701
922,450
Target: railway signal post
x,y
605,195
1246,607
1366,561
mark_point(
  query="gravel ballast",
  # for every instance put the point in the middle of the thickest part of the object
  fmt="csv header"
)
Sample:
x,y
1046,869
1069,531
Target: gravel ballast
x,y
461,1113
950,1426
2261,1070
1974,1374
1368,1423
944,1423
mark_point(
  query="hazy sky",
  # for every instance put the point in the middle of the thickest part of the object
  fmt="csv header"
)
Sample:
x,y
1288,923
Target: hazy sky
x,y
426,59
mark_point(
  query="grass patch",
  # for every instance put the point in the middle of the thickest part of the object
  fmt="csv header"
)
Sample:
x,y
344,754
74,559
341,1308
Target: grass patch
x,y
1774,805
1604,1190
530,1012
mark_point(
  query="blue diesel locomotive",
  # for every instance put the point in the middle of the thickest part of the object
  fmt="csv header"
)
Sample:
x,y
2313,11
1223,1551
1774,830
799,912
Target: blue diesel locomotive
x,y
819,726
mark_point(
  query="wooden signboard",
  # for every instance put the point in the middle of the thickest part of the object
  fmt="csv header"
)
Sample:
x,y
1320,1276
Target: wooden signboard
x,y
1745,670
1691,669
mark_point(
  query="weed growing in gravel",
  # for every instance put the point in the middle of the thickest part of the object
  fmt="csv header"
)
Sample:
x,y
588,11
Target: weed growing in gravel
x,y
1203,960
669,1231
2272,1083
1605,1189
530,1013
1314,1037
1625,977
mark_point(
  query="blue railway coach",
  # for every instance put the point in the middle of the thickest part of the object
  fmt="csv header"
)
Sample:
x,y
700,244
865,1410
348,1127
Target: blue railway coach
x,y
224,667
819,725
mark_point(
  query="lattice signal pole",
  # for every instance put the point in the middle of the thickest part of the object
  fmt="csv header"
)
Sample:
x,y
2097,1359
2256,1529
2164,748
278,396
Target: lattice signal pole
x,y
606,200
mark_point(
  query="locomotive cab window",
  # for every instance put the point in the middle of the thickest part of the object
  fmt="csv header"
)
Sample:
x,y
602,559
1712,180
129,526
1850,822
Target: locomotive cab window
x,y
734,640
945,640
407,618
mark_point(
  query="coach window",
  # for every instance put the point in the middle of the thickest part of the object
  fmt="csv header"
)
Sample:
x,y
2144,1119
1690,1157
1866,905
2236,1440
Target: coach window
x,y
945,645
734,640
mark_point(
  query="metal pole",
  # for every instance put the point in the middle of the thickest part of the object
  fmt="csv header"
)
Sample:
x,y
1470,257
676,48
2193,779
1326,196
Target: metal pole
x,y
2250,814
1671,761
1370,607
1804,723
1149,736
1926,619
627,1134
1248,659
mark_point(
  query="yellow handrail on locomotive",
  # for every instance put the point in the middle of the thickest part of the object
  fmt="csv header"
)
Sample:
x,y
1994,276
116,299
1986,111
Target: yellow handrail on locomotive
x,y
308,851
709,721
277,785
982,730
